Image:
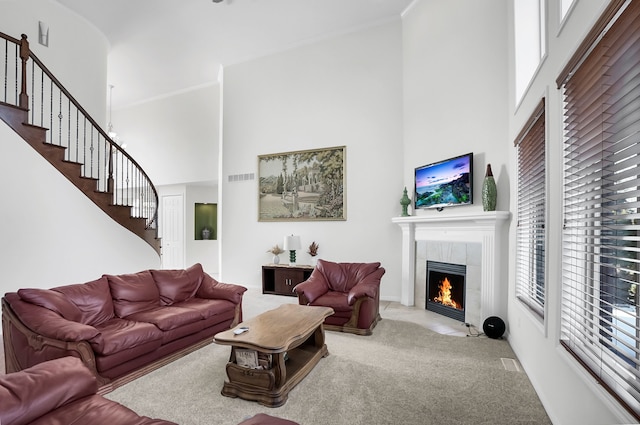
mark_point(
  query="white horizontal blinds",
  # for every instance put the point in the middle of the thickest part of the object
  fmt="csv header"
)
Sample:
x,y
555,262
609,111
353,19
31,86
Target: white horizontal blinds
x,y
601,236
530,243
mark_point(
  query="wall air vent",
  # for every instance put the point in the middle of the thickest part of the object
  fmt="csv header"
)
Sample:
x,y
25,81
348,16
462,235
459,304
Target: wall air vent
x,y
241,177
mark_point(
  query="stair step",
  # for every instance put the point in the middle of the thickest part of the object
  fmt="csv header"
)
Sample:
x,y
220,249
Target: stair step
x,y
71,170
88,184
14,116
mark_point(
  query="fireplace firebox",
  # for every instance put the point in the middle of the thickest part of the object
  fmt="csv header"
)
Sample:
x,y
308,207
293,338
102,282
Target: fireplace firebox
x,y
446,289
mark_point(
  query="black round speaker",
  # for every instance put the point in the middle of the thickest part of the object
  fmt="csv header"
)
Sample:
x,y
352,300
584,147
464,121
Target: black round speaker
x,y
493,327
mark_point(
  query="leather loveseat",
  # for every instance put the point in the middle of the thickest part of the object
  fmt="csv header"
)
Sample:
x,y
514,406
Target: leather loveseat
x,y
61,391
120,326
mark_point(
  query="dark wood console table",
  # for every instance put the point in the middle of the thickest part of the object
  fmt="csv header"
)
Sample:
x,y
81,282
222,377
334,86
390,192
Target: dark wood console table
x,y
280,279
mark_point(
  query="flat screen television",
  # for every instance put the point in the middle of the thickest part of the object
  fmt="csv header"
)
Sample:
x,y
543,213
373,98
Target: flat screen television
x,y
445,183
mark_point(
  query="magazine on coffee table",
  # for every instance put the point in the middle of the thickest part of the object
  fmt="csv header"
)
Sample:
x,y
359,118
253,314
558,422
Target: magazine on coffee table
x,y
247,358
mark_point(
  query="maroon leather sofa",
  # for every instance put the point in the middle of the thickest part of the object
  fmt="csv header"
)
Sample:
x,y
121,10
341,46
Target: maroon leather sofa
x,y
352,290
61,391
120,326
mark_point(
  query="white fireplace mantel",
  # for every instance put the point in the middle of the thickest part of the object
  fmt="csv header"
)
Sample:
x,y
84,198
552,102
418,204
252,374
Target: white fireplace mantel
x,y
485,227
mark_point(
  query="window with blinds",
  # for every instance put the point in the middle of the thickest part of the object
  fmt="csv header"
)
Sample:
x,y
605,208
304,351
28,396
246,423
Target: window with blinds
x,y
530,233
600,319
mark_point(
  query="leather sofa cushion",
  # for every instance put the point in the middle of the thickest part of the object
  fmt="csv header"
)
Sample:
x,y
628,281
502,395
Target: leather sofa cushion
x,y
333,274
182,331
360,271
49,323
121,334
92,298
212,289
133,293
167,317
31,393
115,365
96,410
208,308
52,300
342,277
177,285
220,316
338,301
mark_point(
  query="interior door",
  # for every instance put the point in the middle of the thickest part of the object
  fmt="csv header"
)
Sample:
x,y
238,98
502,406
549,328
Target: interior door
x,y
172,225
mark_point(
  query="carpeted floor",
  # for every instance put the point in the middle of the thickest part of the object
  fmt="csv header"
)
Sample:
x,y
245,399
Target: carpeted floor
x,y
402,374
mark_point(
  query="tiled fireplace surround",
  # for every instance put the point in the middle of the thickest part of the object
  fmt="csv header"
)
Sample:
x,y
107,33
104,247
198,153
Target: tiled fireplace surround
x,y
476,239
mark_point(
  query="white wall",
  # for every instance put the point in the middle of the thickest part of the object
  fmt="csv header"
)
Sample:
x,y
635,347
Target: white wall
x,y
397,96
455,91
204,252
174,138
52,234
77,52
340,91
568,393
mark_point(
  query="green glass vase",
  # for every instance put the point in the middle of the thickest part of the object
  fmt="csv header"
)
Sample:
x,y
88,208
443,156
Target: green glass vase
x,y
405,202
489,191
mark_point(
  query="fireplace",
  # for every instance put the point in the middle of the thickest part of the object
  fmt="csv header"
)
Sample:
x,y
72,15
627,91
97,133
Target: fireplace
x,y
437,237
445,292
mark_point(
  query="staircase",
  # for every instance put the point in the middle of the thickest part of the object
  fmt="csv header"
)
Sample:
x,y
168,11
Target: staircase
x,y
57,127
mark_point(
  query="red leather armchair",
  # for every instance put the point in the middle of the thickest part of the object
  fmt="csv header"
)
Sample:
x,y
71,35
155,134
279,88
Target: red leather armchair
x,y
352,290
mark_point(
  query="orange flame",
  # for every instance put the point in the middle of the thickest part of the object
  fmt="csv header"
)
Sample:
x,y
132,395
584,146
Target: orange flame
x,y
444,295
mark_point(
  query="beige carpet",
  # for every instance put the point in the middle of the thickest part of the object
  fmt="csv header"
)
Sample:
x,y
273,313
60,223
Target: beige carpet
x,y
402,374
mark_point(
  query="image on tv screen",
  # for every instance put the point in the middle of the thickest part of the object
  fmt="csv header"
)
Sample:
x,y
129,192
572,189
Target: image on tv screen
x,y
445,183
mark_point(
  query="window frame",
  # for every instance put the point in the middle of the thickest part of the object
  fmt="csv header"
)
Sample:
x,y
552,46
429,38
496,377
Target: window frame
x,y
599,314
531,238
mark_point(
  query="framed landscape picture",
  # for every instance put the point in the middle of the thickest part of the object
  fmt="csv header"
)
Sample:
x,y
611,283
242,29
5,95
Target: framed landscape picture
x,y
303,185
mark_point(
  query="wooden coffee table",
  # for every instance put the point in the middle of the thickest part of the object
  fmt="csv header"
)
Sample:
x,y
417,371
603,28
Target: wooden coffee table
x,y
289,341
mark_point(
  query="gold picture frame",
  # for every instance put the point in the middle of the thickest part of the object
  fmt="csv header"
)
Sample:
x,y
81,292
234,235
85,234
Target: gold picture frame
x,y
308,185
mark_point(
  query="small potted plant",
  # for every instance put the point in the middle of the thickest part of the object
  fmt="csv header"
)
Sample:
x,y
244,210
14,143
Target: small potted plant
x,y
276,251
313,252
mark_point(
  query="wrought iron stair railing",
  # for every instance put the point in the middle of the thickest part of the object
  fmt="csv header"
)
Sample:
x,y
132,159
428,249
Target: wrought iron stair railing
x,y
39,108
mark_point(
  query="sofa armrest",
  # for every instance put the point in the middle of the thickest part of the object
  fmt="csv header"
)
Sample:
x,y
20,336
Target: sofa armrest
x,y
312,288
33,392
212,289
51,324
38,345
65,330
367,287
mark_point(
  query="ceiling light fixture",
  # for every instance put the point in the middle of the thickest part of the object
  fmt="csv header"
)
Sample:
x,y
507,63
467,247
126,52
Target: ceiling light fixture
x,y
110,131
